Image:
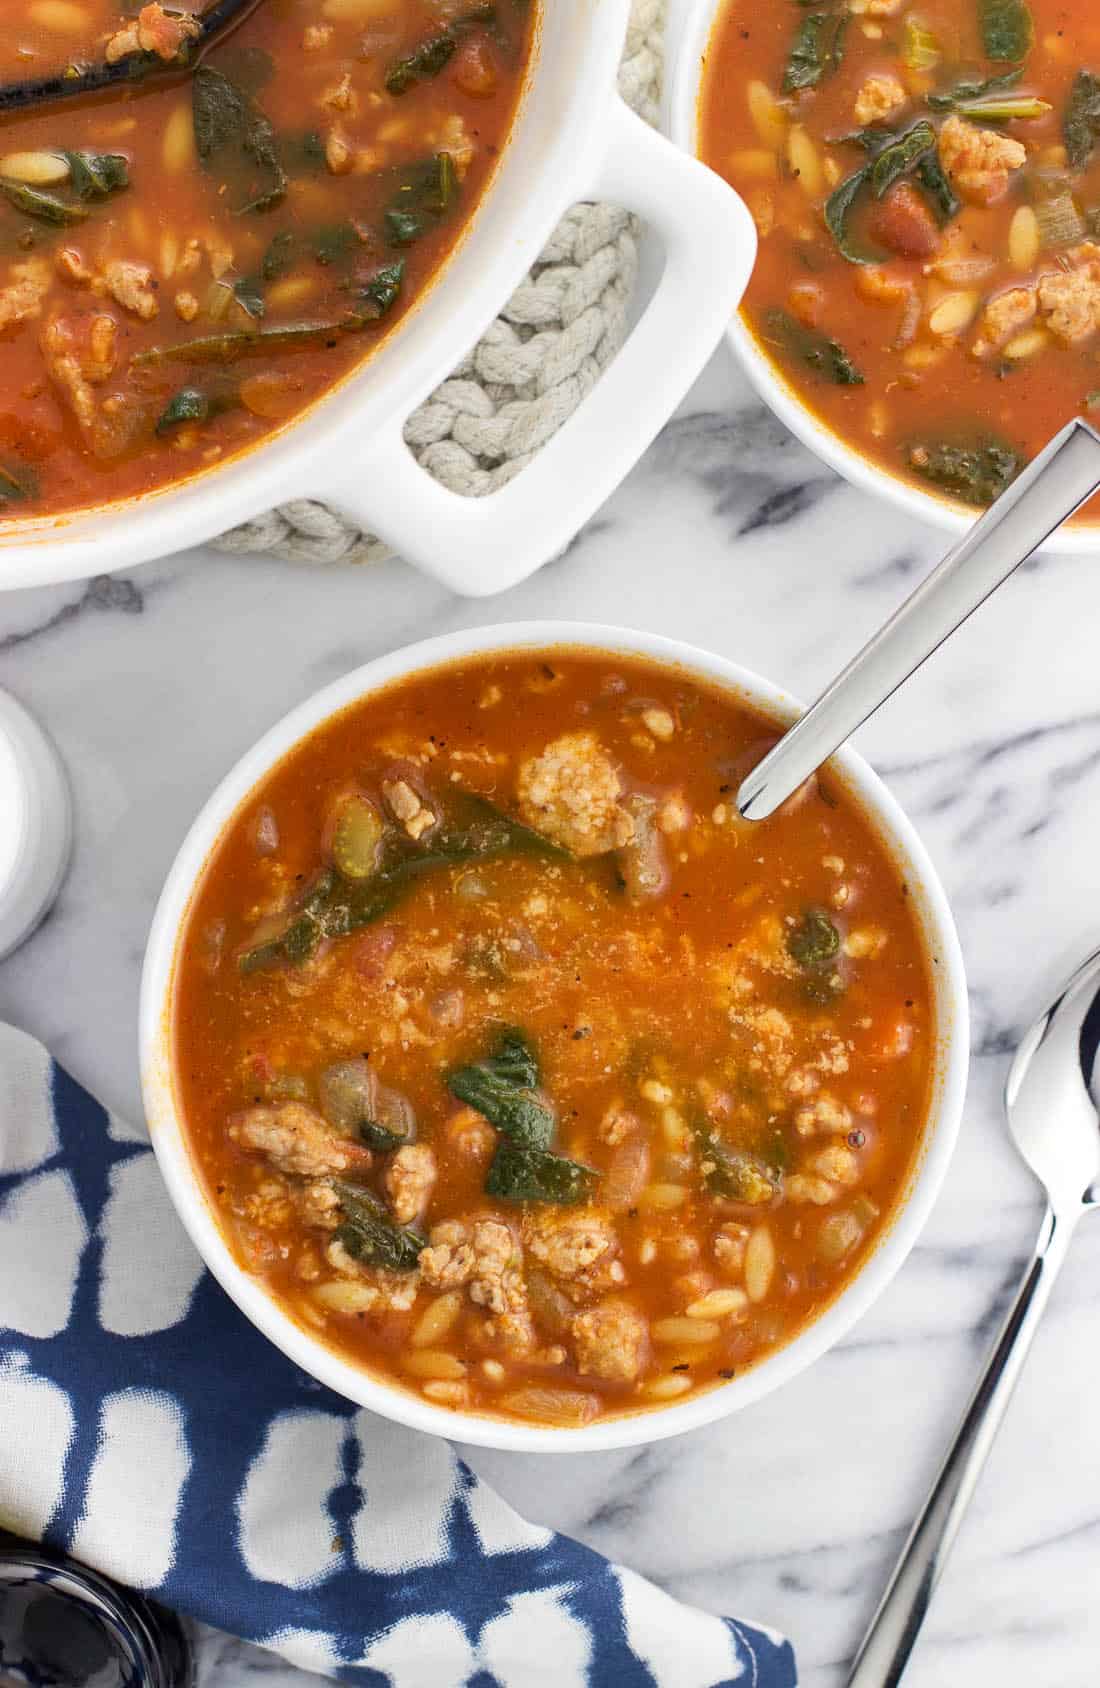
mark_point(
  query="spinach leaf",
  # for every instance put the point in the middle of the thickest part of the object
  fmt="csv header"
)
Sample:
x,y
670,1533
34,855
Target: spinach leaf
x,y
96,175
249,294
1007,29
501,1086
188,405
824,356
1005,108
892,158
235,140
470,827
426,193
838,210
896,159
950,99
814,942
518,1174
378,294
732,1173
46,207
434,53
937,189
223,348
817,51
370,1235
380,1137
1081,123
977,474
426,60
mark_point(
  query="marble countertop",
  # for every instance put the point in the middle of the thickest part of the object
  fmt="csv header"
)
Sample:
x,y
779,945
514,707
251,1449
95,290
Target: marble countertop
x,y
731,535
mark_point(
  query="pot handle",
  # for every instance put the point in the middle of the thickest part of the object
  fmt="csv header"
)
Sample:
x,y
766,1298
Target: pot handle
x,y
478,546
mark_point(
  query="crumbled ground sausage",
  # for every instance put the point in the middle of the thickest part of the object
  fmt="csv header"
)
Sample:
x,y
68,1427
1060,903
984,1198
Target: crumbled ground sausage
x,y
319,1204
133,286
1070,299
297,1140
409,1180
270,1205
978,161
728,1247
880,97
571,794
483,1256
405,806
580,1249
27,286
80,354
611,1341
823,1114
1003,316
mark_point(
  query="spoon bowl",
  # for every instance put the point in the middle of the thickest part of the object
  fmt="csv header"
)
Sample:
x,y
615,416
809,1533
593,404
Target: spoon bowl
x,y
1052,1113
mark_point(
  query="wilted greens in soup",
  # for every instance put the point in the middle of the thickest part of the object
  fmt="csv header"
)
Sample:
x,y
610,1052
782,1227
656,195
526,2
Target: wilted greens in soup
x,y
522,1071
925,179
192,254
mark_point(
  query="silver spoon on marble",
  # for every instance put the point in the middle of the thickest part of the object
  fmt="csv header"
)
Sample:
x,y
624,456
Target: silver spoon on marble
x,y
1065,473
1054,1123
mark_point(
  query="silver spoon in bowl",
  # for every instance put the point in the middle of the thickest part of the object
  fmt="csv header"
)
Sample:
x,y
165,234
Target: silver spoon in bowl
x,y
1055,1124
1054,485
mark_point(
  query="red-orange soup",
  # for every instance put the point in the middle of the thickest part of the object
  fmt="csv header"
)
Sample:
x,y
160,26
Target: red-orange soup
x,y
188,261
522,1072
925,182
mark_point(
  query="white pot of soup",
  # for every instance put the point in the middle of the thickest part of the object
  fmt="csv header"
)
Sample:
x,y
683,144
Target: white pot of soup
x,y
509,1082
229,286
925,179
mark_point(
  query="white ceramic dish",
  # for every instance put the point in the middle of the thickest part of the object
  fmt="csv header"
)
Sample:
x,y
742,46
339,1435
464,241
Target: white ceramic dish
x,y
574,139
697,20
306,1349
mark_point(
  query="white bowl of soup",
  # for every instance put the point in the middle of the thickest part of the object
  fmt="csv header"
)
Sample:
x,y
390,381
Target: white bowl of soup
x,y
511,1084
924,312
226,290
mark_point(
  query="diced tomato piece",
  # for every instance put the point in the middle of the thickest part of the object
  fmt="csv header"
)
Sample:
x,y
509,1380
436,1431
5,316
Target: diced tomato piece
x,y
904,224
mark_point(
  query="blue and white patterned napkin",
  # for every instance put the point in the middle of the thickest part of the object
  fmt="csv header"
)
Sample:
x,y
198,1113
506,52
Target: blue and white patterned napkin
x,y
152,1432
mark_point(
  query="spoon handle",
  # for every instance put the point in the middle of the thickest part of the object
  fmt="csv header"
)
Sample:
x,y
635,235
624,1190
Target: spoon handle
x,y
885,1649
1049,490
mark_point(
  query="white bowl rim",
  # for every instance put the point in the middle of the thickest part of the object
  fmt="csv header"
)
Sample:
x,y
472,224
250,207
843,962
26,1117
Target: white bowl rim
x,y
324,1363
682,111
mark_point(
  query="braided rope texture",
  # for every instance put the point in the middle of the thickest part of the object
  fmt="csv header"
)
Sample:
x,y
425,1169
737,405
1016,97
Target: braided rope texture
x,y
531,368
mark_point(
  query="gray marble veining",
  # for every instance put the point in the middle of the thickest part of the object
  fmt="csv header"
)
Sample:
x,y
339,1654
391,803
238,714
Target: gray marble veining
x,y
729,534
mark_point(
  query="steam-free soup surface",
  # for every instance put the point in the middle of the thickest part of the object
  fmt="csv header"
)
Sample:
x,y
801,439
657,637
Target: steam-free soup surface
x,y
925,180
189,259
525,1074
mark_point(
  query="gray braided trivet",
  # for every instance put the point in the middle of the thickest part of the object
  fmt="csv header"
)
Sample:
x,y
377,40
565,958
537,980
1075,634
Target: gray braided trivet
x,y
529,371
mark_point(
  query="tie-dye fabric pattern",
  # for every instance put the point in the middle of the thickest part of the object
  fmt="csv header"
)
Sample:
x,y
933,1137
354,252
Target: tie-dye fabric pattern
x,y
150,1430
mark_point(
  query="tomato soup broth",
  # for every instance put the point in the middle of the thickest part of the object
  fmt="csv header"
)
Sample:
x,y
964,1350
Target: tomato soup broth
x,y
519,1069
926,188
